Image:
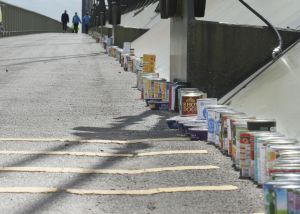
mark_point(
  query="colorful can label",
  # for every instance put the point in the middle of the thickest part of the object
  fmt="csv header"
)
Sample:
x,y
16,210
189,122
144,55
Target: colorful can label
x,y
189,105
201,104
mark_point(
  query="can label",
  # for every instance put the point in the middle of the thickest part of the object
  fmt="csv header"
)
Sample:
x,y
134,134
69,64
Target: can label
x,y
245,151
297,202
202,103
211,126
270,200
189,105
281,200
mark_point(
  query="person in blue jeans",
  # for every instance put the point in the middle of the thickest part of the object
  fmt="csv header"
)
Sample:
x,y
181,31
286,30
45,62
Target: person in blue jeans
x,y
76,22
86,20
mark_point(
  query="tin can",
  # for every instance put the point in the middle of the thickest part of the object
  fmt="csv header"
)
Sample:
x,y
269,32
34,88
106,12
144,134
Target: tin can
x,y
181,120
284,195
261,125
170,95
246,155
175,91
182,92
297,201
256,137
225,131
261,143
210,112
162,90
198,133
239,126
141,78
263,174
218,126
166,93
189,103
272,154
187,126
156,87
231,129
201,103
285,176
149,62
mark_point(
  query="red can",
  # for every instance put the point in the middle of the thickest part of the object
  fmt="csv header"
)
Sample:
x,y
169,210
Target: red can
x,y
189,104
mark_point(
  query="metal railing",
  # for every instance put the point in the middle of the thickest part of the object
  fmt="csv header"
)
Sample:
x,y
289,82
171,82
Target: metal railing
x,y
18,21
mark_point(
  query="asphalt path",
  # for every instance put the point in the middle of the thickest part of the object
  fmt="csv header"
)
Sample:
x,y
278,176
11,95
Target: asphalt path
x,y
63,86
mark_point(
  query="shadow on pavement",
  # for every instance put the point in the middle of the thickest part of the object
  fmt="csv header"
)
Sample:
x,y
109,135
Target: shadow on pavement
x,y
159,130
123,128
77,181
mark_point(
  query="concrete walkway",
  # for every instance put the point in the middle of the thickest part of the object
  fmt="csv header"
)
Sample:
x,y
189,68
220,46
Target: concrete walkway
x,y
68,116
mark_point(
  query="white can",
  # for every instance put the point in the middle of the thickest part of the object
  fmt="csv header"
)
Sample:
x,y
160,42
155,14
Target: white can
x,y
201,104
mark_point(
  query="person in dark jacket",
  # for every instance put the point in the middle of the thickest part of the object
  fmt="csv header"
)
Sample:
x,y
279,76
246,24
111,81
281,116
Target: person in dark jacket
x,y
65,20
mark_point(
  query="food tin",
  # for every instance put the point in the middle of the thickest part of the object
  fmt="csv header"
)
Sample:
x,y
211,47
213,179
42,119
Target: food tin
x,y
211,110
256,136
224,135
156,87
201,104
198,133
261,143
175,91
262,173
284,195
261,125
182,92
272,153
193,124
238,126
189,103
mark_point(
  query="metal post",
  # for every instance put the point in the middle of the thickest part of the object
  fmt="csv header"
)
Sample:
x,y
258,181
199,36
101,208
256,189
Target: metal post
x,y
114,20
102,18
97,24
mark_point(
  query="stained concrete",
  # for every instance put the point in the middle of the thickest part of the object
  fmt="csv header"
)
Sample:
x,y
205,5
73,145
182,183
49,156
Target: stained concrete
x,y
220,56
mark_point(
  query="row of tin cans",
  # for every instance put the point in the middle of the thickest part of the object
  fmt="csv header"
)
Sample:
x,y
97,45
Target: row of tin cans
x,y
257,150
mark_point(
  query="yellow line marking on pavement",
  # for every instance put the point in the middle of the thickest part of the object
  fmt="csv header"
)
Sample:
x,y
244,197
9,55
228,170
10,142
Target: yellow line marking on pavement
x,y
99,141
105,171
104,154
139,192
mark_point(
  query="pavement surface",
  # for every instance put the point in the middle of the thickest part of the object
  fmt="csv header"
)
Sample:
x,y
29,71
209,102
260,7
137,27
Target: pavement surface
x,y
59,90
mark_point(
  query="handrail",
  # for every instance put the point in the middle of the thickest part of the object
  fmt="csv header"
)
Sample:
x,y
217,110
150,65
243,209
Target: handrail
x,y
277,50
16,20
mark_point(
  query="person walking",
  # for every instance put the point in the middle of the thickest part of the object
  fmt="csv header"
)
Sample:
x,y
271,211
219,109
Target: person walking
x,y
76,22
86,22
65,20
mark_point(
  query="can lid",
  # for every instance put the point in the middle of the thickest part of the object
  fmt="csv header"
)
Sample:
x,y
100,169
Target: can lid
x,y
280,141
192,94
291,186
262,121
288,175
204,129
